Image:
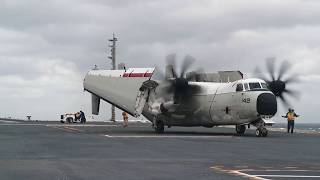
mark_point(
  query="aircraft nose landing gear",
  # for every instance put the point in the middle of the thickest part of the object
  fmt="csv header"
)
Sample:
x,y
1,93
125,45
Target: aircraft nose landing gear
x,y
158,126
261,126
261,132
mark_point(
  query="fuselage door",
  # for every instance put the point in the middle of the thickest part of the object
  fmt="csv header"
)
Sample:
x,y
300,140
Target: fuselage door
x,y
143,96
241,100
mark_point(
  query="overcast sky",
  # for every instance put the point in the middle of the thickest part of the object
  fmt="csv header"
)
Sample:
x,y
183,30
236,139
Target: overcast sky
x,y
46,47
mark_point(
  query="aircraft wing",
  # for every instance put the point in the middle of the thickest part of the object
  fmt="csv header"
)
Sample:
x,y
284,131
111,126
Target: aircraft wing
x,y
118,87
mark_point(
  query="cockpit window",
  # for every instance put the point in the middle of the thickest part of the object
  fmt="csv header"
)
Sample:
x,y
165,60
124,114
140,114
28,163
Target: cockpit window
x,y
246,86
264,86
239,87
254,86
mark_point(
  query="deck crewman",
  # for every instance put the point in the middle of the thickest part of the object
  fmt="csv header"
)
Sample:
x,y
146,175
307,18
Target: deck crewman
x,y
125,118
82,117
291,116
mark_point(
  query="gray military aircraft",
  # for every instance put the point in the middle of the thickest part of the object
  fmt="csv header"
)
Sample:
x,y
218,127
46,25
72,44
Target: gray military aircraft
x,y
186,100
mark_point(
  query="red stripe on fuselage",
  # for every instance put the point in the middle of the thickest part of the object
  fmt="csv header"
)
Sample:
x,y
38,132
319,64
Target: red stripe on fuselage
x,y
137,74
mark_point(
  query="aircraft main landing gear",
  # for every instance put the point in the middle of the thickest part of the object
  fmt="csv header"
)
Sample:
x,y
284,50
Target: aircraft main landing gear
x,y
261,132
240,129
159,126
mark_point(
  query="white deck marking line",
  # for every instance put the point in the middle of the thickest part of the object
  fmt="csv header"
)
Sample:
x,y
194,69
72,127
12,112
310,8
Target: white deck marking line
x,y
252,177
174,136
75,125
286,176
241,167
5,121
237,173
276,170
246,173
290,167
17,124
282,175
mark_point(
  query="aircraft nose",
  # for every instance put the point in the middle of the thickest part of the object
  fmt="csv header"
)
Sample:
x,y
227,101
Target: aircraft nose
x,y
267,104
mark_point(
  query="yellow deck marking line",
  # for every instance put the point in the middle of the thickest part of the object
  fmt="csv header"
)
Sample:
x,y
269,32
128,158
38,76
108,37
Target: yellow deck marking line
x,y
74,129
62,129
67,129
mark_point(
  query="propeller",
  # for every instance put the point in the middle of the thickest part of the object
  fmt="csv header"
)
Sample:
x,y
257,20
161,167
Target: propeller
x,y
178,84
277,84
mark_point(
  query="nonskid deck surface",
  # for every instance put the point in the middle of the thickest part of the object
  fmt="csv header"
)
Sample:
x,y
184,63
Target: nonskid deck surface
x,y
98,150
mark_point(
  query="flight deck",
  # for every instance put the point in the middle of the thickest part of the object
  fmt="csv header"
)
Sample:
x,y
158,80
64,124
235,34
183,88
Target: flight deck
x,y
99,150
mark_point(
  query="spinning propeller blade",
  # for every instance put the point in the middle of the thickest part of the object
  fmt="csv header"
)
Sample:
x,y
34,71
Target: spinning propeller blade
x,y
271,67
179,85
278,86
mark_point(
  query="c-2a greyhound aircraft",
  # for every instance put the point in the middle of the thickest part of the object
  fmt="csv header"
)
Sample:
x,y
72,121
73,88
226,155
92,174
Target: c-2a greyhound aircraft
x,y
184,100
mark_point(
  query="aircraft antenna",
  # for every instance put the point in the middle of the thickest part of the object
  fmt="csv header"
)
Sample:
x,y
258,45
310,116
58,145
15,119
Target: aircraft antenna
x,y
113,59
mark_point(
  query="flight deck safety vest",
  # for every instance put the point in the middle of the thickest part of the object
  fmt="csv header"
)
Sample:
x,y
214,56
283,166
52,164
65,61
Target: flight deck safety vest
x,y
125,115
291,117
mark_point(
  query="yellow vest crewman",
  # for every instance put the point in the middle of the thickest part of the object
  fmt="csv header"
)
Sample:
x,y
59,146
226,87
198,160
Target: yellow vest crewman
x,y
125,118
291,116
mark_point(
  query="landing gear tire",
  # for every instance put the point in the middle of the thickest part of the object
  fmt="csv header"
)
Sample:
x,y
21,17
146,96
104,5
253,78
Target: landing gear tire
x,y
69,119
258,133
262,132
159,127
240,129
